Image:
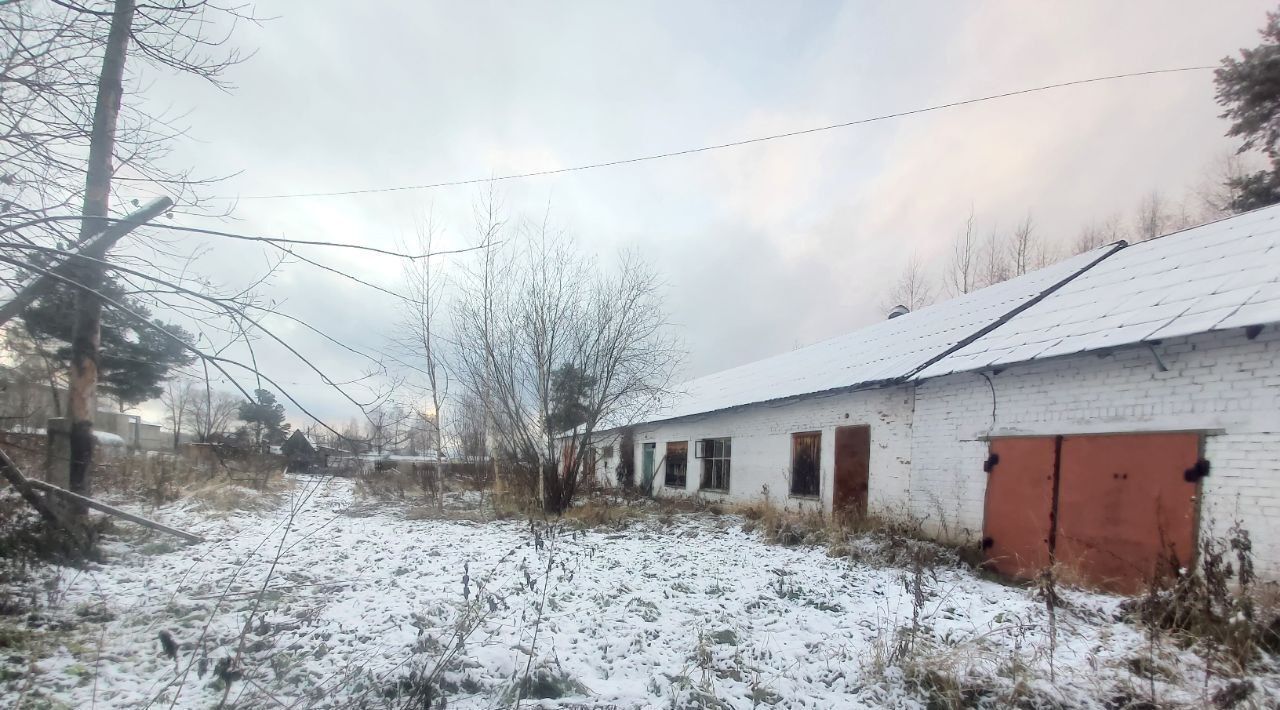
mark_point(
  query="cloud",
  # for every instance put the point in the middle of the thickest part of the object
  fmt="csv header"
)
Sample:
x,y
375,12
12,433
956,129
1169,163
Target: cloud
x,y
764,247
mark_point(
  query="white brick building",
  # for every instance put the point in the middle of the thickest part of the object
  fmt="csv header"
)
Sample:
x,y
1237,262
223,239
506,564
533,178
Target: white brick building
x,y
1173,339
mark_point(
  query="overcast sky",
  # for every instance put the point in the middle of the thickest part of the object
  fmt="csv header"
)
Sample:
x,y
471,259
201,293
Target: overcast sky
x,y
764,247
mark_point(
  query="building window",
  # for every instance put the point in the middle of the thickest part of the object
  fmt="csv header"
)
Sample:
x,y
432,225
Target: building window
x,y
806,456
715,463
607,452
677,464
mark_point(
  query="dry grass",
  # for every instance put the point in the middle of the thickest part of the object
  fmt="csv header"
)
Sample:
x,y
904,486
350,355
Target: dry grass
x,y
606,509
600,512
1218,607
159,478
895,539
223,495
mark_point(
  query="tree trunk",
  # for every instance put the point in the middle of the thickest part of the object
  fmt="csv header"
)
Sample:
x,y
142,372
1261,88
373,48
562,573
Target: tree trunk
x,y
86,333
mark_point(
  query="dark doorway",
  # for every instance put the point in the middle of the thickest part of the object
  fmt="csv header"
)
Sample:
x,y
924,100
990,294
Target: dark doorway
x,y
677,464
853,469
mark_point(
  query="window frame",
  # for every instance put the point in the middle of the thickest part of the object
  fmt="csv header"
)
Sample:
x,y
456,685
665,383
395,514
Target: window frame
x,y
711,462
668,480
796,448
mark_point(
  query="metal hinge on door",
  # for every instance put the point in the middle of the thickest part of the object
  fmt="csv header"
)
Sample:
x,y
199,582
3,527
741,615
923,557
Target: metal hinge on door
x,y
1198,471
991,462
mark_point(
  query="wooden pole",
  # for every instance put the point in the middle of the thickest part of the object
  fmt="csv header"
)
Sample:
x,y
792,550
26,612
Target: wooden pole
x,y
95,248
111,510
86,333
26,487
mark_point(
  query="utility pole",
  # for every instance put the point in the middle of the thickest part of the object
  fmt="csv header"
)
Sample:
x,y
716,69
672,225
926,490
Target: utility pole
x,y
94,249
86,333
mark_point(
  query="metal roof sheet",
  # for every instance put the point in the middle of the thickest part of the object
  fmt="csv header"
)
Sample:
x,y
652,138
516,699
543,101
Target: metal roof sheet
x,y
1217,276
887,350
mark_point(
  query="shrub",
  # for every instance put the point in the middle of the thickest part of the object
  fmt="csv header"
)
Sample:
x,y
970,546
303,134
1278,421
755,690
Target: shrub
x,y
1216,605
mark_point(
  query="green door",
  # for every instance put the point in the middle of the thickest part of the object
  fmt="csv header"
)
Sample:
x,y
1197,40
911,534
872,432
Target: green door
x,y
646,467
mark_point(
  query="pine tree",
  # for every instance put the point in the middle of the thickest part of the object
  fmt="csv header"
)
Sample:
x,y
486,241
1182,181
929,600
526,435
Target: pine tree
x,y
134,361
264,420
570,390
1249,89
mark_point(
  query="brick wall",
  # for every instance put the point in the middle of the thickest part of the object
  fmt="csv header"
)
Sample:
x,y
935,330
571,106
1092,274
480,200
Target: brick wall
x,y
1219,382
761,444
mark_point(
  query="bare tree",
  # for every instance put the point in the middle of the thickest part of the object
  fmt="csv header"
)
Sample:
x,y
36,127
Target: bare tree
x,y
913,288
212,414
471,443
421,325
386,427
993,260
1025,251
1153,217
560,347
351,439
1096,234
180,400
1216,193
1157,216
964,259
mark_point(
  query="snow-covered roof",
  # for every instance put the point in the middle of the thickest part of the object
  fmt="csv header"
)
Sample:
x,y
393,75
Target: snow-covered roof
x,y
1221,275
884,351
106,438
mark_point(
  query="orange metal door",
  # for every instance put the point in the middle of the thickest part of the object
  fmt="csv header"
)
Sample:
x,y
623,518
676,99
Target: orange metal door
x,y
1126,512
853,469
1018,520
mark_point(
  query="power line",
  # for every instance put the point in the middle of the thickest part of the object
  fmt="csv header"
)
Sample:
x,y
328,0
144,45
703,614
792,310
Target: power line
x,y
722,146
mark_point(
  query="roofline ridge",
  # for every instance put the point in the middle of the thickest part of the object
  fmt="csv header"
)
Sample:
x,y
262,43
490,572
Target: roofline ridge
x,y
1021,307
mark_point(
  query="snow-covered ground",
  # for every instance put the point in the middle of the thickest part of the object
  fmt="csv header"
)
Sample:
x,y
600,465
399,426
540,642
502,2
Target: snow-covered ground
x,y
683,611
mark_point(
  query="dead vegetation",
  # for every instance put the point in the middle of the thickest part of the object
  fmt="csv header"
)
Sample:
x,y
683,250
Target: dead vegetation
x,y
157,479
607,509
895,539
1011,663
1219,610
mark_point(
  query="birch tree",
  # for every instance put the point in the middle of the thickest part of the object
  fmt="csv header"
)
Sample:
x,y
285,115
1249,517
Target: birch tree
x,y
558,346
1025,251
179,400
423,343
913,288
962,268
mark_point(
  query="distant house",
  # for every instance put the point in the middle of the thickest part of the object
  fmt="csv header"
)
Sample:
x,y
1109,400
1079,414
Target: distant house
x,y
302,453
1103,412
27,405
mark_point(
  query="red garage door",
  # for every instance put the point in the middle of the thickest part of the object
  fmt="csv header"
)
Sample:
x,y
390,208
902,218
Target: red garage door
x,y
1017,521
1126,511
1123,510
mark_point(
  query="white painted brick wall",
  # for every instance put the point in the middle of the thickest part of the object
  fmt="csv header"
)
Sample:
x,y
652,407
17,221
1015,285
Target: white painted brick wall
x,y
762,445
1215,381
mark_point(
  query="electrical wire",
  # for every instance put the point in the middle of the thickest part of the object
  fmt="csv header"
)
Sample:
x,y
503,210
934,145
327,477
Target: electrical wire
x,y
721,146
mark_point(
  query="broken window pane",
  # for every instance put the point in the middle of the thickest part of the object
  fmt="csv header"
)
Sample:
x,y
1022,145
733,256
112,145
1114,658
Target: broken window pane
x,y
677,464
806,457
715,464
